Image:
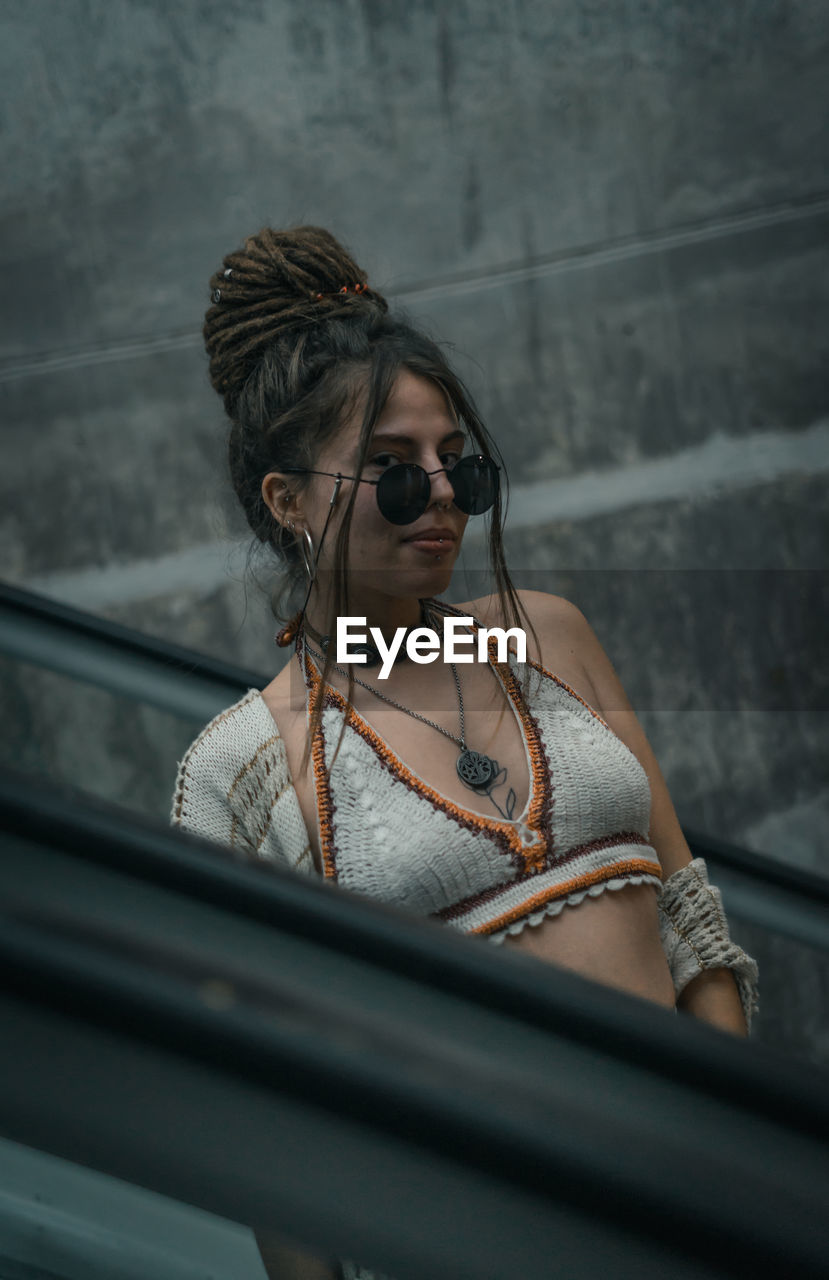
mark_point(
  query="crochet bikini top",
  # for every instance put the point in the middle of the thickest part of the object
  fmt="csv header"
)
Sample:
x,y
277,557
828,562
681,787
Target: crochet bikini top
x,y
386,833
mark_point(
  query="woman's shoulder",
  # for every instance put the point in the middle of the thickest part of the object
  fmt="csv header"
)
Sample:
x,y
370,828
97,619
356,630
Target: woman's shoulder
x,y
556,642
541,608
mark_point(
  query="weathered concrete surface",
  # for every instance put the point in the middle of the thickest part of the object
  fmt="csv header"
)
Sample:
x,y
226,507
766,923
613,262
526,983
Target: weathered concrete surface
x,y
146,139
618,214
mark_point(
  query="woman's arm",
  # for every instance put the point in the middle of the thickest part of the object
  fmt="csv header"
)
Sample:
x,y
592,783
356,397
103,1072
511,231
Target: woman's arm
x,y
284,1262
706,990
712,996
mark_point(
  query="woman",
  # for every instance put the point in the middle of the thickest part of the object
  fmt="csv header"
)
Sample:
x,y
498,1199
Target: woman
x,y
491,794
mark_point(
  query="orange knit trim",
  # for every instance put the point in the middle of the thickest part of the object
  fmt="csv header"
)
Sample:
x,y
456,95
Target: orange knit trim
x,y
325,803
628,867
540,815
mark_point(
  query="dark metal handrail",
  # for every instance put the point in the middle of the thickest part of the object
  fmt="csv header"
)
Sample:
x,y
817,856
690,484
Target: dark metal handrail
x,y
95,831
722,1162
34,628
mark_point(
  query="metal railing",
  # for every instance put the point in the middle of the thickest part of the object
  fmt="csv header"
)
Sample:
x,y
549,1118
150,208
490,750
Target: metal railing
x,y
85,647
252,1042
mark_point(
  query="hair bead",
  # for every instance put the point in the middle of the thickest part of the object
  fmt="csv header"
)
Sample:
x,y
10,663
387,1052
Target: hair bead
x,y
336,293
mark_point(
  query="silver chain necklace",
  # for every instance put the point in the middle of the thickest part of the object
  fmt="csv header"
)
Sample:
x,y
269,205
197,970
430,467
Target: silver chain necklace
x,y
479,772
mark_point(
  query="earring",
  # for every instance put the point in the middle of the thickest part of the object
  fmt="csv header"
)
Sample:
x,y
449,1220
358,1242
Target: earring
x,y
306,546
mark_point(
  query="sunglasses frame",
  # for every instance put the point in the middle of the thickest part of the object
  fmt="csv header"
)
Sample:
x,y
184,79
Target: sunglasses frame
x,y
338,475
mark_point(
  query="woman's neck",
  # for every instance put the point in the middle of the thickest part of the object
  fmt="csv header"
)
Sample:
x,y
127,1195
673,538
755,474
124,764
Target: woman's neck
x,y
387,613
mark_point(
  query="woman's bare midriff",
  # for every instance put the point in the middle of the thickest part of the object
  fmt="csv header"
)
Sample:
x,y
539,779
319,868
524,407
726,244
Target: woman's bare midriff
x,y
612,938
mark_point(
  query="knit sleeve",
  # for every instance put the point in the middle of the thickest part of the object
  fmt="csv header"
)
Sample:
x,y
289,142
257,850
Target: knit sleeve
x,y
233,787
695,934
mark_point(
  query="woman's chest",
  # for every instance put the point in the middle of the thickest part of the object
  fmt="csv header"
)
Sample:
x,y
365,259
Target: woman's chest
x,y
420,733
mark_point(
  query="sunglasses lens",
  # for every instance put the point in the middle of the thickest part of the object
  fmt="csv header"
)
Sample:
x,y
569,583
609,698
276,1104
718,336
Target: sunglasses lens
x,y
475,481
403,493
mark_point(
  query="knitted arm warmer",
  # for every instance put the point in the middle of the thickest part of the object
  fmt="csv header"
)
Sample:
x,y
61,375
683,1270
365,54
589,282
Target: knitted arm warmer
x,y
695,936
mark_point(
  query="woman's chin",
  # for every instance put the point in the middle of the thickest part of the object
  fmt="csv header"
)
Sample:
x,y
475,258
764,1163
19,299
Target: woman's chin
x,y
430,578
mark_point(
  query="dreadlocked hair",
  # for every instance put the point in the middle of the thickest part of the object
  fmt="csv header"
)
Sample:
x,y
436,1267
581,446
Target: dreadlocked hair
x,y
292,354
269,289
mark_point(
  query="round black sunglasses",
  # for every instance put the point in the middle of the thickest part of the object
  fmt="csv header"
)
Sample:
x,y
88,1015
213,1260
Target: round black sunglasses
x,y
403,492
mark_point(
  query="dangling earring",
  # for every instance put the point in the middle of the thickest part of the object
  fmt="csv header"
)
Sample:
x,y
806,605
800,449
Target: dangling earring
x,y
308,550
309,560
287,634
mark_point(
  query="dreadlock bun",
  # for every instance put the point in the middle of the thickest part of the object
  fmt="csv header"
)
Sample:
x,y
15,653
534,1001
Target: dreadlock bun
x,y
267,291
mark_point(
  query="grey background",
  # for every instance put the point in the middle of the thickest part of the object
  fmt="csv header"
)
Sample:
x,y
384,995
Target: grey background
x,y
617,213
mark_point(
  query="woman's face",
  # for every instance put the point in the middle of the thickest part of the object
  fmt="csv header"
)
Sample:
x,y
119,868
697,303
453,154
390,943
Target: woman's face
x,y
417,425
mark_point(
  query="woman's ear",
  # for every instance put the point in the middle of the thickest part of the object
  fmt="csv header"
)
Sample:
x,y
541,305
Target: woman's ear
x,y
279,499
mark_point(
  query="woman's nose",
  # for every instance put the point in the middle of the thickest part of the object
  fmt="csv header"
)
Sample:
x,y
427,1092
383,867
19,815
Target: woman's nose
x,y
442,490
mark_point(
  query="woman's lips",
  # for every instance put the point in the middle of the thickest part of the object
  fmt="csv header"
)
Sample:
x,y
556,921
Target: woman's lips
x,y
433,540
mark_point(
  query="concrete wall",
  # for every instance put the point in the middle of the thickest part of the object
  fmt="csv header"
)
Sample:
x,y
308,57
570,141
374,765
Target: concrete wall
x,y
618,213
